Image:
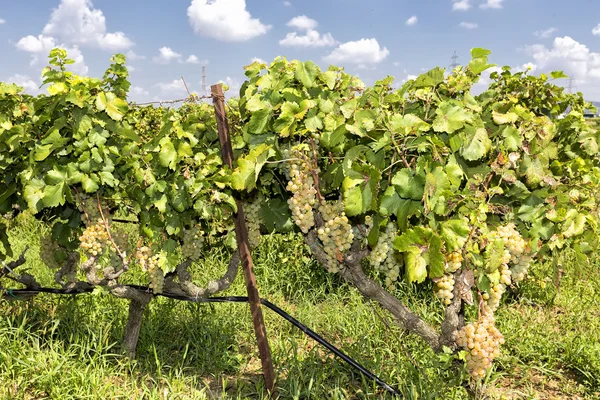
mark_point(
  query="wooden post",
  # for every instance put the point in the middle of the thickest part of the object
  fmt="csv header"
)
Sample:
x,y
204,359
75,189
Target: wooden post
x,y
241,233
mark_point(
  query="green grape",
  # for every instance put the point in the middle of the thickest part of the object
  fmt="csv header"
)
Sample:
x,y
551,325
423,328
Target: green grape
x,y
93,239
482,342
336,233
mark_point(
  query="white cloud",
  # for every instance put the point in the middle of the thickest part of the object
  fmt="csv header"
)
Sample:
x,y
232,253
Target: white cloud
x,y
39,47
492,4
131,68
312,38
363,51
572,57
397,63
546,33
226,20
260,60
412,20
596,30
77,22
287,3
461,5
468,25
39,44
569,55
2,21
166,56
26,82
192,59
302,23
140,91
174,88
132,56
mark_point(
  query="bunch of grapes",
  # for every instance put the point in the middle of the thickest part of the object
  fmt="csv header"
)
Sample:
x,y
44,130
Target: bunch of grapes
x,y
90,214
519,270
302,186
380,252
453,262
336,233
444,288
384,257
93,239
156,273
48,252
122,242
482,341
142,256
192,243
497,290
253,222
513,240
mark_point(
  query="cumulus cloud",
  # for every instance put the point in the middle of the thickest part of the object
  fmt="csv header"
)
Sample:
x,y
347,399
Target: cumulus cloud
x,y
2,21
39,47
77,22
166,55
26,82
192,59
132,56
260,60
226,20
546,33
302,22
492,4
287,3
596,30
412,20
572,57
173,88
138,91
461,5
363,51
569,55
312,38
468,25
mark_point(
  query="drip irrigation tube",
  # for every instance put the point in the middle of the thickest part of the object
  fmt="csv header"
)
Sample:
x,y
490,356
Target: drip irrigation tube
x,y
230,299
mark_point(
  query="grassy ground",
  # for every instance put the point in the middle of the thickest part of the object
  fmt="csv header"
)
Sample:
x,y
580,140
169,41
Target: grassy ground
x,y
67,347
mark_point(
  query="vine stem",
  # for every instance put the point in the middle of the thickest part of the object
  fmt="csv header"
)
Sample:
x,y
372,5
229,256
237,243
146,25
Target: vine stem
x,y
119,252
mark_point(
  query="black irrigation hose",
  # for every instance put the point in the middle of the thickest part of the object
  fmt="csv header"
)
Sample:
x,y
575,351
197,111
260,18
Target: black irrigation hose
x,y
231,299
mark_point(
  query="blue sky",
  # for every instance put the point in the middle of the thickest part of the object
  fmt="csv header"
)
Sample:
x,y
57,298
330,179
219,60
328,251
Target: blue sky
x,y
372,39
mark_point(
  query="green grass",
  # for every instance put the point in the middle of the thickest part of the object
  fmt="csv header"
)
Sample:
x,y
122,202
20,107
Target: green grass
x,y
68,347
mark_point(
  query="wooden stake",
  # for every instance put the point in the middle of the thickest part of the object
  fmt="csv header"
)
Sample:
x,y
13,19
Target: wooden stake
x,y
241,233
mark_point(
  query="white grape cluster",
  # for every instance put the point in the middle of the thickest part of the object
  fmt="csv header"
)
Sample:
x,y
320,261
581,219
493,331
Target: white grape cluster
x,y
453,262
122,242
142,256
302,186
444,288
519,270
192,243
48,249
482,341
156,273
90,214
93,239
497,290
336,233
384,257
517,246
253,222
153,264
